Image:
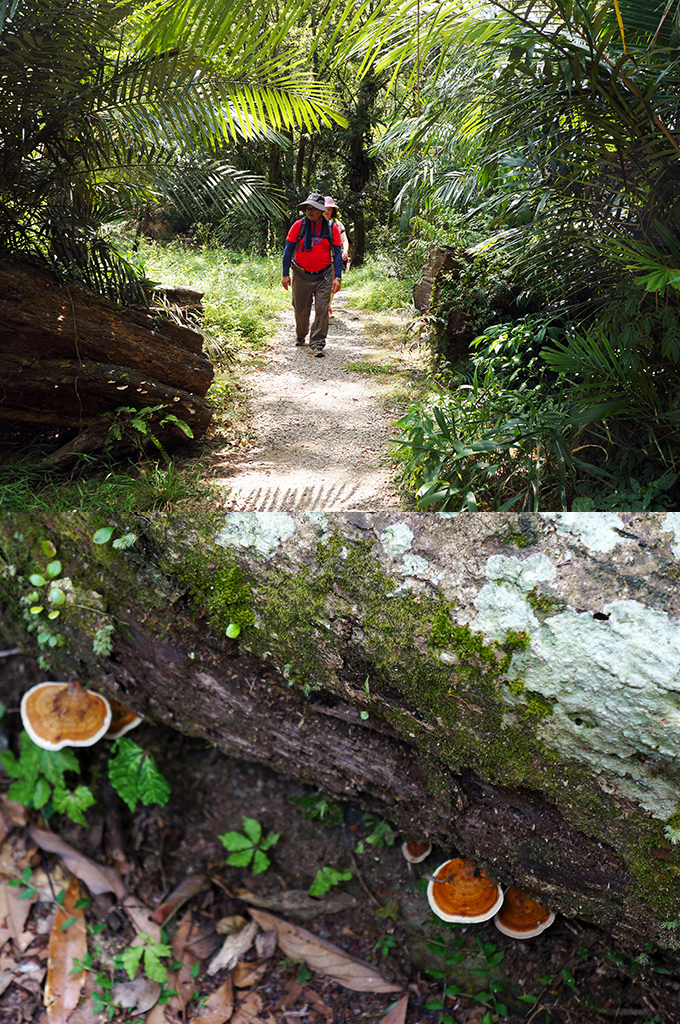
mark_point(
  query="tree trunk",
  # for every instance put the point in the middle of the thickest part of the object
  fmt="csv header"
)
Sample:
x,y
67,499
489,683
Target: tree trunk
x,y
68,356
505,684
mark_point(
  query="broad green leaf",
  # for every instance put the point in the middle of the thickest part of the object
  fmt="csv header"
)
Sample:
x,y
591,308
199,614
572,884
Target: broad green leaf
x,y
22,792
41,793
235,841
124,770
270,841
252,829
56,596
260,862
48,547
12,766
37,580
53,763
153,968
233,630
36,609
104,535
129,960
73,803
54,569
242,859
152,787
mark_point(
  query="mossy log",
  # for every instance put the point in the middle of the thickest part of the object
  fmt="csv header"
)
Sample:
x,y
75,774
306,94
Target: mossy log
x,y
508,685
67,356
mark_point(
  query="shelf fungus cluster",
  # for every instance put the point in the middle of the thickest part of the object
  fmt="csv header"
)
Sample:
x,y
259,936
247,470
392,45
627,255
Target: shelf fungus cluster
x,y
459,891
57,715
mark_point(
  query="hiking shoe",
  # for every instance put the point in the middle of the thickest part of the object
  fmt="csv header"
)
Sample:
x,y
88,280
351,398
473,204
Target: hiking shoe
x,y
318,352
299,342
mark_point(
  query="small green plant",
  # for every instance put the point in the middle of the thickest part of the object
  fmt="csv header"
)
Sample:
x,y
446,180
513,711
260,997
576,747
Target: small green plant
x,y
326,878
249,847
42,605
24,883
40,779
381,834
137,425
134,775
386,944
233,630
152,953
320,807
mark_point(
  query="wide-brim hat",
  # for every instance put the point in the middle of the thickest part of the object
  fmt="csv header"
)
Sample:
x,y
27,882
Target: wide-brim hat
x,y
314,199
332,203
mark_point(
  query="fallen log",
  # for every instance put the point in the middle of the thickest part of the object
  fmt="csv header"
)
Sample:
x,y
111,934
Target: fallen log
x,y
505,684
70,357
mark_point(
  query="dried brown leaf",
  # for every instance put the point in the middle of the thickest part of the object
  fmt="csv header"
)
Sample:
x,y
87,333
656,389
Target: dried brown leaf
x,y
323,957
187,888
249,1009
219,1007
265,944
141,919
397,1014
157,1015
245,975
233,948
299,903
291,994
97,877
13,912
62,989
15,813
231,924
136,996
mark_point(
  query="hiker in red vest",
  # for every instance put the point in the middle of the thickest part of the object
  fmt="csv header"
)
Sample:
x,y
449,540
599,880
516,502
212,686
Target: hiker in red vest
x,y
314,246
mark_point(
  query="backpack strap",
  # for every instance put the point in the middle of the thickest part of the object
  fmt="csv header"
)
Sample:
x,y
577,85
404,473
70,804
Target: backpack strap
x,y
326,232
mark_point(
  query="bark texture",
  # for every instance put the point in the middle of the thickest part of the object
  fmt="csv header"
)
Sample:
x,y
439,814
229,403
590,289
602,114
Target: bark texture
x,y
506,684
68,355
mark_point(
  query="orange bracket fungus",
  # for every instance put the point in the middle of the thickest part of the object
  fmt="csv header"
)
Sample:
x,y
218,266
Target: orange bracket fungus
x,y
521,917
57,715
415,852
460,891
122,720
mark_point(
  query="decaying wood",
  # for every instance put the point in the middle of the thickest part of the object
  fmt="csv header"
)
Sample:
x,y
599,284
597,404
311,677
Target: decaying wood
x,y
569,828
67,356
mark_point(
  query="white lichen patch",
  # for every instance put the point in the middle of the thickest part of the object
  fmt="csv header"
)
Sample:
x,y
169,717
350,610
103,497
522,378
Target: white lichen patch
x,y
597,530
672,522
416,565
396,539
262,532
524,574
614,684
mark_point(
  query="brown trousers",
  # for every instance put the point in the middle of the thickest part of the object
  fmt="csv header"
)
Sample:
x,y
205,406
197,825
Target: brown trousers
x,y
308,289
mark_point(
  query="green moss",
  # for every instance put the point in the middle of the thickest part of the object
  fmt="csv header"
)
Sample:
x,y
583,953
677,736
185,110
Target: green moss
x,y
543,604
537,704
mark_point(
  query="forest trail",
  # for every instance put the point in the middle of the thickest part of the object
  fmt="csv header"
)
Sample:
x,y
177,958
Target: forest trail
x,y
320,436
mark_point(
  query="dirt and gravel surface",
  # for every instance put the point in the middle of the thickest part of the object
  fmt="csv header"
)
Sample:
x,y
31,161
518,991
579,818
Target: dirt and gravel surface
x,y
320,436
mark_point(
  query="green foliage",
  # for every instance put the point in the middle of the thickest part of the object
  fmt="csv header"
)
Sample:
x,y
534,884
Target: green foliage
x,y
152,953
24,883
249,847
134,775
380,284
40,778
326,878
319,807
380,833
386,944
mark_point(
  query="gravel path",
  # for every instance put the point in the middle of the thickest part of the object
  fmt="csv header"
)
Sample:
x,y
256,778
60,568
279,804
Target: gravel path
x,y
320,436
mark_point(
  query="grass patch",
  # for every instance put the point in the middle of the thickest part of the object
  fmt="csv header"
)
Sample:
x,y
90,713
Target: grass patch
x,y
379,285
243,293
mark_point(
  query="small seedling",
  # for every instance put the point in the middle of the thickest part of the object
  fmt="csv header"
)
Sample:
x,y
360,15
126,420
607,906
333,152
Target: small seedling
x,y
320,807
326,878
381,834
28,891
248,848
151,952
385,944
